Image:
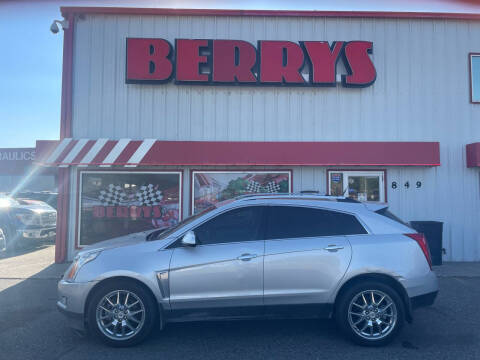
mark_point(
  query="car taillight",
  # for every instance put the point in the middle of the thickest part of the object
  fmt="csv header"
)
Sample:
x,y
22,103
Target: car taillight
x,y
422,242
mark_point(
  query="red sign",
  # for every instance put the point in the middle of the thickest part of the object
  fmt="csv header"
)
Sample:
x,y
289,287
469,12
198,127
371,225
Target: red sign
x,y
216,62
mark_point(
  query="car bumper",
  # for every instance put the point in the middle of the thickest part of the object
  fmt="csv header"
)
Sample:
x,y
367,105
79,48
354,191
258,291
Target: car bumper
x,y
71,301
421,285
37,233
423,300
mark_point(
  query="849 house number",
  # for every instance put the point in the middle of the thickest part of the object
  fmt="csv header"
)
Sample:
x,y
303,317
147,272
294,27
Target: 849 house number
x,y
407,185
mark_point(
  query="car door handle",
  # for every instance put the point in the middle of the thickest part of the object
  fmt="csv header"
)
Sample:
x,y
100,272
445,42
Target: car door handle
x,y
247,257
333,248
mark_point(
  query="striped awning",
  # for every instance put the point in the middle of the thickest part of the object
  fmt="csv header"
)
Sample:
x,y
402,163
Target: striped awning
x,y
100,152
152,152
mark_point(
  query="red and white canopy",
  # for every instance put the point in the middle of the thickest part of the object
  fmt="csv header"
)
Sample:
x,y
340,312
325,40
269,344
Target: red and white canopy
x,y
151,152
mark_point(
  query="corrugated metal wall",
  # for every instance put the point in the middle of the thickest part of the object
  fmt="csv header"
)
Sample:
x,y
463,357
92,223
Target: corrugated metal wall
x,y
421,94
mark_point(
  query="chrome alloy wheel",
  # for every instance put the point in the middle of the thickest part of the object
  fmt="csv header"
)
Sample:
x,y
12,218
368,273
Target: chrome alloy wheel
x,y
372,314
120,315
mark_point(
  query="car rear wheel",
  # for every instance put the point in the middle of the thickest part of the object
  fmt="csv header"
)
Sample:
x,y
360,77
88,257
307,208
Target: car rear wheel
x,y
370,313
121,313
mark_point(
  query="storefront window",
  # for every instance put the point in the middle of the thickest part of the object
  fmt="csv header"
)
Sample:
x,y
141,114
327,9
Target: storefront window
x,y
211,187
114,203
475,77
358,185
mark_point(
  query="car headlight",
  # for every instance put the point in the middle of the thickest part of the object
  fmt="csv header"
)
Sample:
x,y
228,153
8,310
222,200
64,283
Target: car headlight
x,y
28,218
80,260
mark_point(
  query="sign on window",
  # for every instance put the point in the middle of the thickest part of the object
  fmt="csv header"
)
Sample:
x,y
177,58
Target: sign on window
x,y
212,187
114,203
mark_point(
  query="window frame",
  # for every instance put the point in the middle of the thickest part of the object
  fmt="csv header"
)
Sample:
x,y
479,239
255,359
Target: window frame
x,y
377,171
360,221
79,186
470,73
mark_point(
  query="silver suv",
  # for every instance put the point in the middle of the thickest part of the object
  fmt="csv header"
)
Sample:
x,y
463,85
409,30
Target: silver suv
x,y
256,256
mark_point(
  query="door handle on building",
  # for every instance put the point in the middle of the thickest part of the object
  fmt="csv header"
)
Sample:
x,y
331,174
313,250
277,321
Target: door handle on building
x,y
333,248
246,257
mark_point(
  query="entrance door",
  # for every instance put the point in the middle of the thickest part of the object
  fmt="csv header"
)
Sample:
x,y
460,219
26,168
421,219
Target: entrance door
x,y
225,270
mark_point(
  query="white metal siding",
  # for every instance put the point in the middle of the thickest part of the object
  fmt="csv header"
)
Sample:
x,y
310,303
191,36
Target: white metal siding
x,y
421,94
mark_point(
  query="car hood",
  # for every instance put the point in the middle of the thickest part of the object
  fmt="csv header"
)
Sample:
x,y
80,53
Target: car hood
x,y
127,240
37,207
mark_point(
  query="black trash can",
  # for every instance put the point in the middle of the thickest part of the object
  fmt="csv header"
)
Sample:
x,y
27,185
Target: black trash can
x,y
433,231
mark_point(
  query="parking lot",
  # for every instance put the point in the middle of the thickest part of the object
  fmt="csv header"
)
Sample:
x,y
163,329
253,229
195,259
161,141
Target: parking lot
x,y
31,327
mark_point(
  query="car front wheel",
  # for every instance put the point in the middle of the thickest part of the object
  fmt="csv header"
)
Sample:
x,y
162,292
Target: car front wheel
x,y
121,313
370,313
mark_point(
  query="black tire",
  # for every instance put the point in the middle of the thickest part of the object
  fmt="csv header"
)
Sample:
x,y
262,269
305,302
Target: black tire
x,y
11,241
149,305
3,242
343,319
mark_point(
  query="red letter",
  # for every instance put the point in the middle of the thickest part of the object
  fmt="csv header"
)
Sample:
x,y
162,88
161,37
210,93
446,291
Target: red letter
x,y
233,60
110,211
147,60
122,212
147,211
157,212
361,71
323,61
281,61
188,59
98,211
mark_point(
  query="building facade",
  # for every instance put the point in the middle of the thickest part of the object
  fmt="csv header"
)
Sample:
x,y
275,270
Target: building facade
x,y
19,174
161,118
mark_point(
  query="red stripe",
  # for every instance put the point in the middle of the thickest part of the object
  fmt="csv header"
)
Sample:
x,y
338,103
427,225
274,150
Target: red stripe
x,y
68,10
293,153
86,148
473,155
127,153
62,221
104,151
65,152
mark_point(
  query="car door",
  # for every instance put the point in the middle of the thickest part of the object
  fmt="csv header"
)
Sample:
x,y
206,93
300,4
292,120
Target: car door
x,y
225,270
306,254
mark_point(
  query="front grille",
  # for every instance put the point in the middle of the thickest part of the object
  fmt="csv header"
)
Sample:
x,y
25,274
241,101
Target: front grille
x,y
49,219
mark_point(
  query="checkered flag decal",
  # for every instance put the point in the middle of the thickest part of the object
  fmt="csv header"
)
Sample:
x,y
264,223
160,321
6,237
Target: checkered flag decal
x,y
254,187
114,195
148,195
272,187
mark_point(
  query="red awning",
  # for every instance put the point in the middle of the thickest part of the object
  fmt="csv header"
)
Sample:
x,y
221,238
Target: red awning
x,y
473,155
149,152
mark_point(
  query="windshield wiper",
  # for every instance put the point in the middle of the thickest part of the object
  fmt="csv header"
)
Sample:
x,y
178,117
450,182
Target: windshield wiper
x,y
153,235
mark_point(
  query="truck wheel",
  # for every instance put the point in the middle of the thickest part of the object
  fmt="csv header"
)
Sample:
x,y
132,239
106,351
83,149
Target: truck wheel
x,y
370,313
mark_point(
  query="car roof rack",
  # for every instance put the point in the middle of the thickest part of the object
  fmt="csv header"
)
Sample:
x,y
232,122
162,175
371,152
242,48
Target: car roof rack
x,y
301,195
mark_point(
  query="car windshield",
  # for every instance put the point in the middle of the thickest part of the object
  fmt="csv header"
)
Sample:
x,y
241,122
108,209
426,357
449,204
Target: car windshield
x,y
167,232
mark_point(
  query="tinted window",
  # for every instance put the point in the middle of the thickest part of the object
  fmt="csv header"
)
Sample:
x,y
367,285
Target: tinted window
x,y
385,212
292,222
242,224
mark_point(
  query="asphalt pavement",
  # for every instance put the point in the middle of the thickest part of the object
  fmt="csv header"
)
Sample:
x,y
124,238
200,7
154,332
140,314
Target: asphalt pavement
x,y
32,328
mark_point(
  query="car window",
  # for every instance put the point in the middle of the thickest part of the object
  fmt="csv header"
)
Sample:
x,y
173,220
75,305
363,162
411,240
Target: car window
x,y
285,222
241,224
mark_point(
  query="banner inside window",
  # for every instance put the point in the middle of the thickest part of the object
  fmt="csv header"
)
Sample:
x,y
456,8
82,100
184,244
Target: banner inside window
x,y
114,204
212,187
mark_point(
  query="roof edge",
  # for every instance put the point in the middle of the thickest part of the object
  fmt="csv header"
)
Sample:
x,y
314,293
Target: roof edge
x,y
65,10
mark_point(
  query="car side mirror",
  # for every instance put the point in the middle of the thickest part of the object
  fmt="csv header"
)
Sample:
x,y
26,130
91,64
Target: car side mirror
x,y
189,239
